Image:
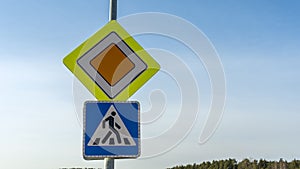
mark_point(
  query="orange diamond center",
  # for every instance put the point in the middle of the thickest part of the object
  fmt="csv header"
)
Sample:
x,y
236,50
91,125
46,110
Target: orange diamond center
x,y
112,64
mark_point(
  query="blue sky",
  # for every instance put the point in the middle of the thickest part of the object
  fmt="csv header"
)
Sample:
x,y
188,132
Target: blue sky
x,y
258,44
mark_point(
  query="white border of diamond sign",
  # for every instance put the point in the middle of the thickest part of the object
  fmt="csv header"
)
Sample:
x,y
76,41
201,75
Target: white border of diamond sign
x,y
111,91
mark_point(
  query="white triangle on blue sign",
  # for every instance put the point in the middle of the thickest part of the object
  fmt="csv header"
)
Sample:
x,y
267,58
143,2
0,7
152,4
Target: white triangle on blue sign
x,y
111,131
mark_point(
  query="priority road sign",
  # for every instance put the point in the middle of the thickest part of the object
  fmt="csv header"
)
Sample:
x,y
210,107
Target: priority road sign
x,y
111,64
111,129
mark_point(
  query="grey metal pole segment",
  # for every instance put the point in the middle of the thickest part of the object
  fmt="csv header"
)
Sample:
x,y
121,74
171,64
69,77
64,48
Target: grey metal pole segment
x,y
113,9
109,163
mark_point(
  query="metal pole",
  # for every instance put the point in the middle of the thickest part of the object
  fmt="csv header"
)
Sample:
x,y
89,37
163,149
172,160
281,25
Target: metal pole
x,y
113,10
109,163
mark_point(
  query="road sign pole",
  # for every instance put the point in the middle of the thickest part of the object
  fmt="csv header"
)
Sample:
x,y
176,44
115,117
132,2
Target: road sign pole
x,y
113,10
109,163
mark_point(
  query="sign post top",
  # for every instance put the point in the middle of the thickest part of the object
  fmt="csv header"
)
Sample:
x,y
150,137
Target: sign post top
x,y
113,10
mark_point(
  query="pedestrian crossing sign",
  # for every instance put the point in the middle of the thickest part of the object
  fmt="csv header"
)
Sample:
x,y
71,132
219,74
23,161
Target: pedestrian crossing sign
x,y
111,130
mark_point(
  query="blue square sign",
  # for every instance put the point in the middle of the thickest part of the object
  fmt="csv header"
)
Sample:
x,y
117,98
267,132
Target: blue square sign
x,y
111,130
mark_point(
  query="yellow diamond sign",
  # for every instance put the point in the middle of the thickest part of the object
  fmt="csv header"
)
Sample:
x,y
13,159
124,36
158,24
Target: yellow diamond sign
x,y
111,64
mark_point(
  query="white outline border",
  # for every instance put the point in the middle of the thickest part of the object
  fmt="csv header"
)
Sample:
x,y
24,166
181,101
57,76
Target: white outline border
x,y
87,157
112,38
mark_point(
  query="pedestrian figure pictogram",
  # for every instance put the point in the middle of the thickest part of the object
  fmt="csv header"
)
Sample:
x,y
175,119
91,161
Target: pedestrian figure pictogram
x,y
112,125
111,131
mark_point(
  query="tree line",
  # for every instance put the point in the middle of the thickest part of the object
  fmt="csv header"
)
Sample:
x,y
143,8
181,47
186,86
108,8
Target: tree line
x,y
245,164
